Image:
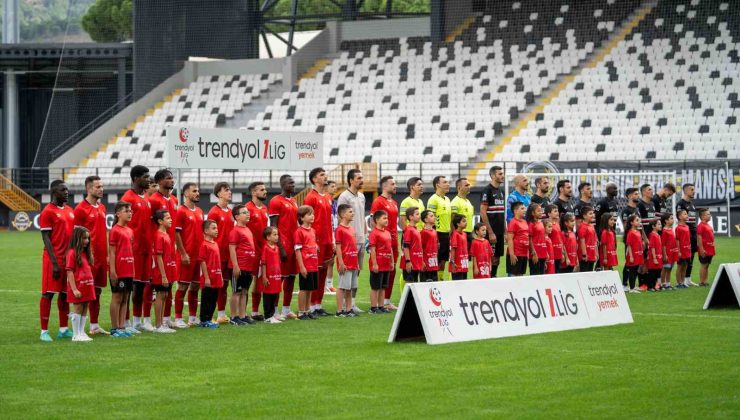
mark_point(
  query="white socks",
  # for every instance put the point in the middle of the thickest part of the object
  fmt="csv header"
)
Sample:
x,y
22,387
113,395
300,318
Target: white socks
x,y
286,310
75,329
387,302
137,320
329,282
147,320
222,314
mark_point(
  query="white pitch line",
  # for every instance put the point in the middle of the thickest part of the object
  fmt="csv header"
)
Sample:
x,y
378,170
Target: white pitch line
x,y
686,315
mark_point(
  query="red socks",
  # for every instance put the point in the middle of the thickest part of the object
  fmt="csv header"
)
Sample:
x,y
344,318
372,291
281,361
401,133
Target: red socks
x,y
95,308
256,299
179,303
288,285
63,307
318,295
44,311
192,302
222,295
168,304
147,301
389,289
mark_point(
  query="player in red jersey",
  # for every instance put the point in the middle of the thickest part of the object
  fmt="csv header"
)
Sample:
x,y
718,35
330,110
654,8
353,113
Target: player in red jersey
x,y
517,240
412,262
284,215
121,256
211,277
587,241
481,252
654,261
670,250
188,237
608,242
705,243
165,267
386,203
570,243
90,214
221,214
57,220
430,242
259,218
347,262
458,248
243,263
550,263
556,236
163,199
80,282
141,224
381,261
320,202
307,260
537,240
635,251
270,275
683,237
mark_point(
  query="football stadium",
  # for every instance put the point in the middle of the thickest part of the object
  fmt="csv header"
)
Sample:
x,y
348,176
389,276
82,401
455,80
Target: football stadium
x,y
370,208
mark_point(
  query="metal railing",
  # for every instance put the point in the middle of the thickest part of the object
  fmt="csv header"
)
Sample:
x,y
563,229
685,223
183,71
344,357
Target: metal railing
x,y
93,125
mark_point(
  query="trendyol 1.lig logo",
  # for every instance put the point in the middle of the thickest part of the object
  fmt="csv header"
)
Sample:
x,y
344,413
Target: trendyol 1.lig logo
x,y
439,313
21,221
184,135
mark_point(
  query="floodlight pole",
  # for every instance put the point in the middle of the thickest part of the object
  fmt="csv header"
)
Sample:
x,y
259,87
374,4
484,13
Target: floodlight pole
x,y
11,135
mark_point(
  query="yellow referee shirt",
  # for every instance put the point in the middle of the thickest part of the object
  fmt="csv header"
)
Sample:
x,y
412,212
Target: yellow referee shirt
x,y
409,202
442,209
463,206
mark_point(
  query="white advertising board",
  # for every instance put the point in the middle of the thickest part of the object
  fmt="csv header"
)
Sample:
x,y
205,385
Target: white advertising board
x,y
453,311
223,148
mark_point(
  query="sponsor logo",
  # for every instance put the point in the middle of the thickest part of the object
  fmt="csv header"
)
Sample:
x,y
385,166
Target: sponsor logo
x,y
540,305
440,314
21,221
184,135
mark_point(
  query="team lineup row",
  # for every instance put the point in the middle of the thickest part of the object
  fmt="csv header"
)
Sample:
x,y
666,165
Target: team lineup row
x,y
156,242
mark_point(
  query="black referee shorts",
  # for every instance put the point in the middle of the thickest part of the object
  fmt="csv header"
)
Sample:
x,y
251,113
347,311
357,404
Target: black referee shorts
x,y
444,246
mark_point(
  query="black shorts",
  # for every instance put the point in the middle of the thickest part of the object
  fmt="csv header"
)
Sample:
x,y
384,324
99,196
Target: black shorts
x,y
444,246
310,282
518,269
706,260
427,276
123,285
459,276
684,261
243,282
411,276
379,280
160,288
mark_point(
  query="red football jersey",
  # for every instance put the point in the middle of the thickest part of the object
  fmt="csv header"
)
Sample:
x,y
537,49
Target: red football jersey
x,y
305,241
190,226
587,232
705,234
246,255
482,251
344,236
609,241
389,206
683,236
571,248
321,204
537,236
122,238
430,243
83,278
634,241
550,261
141,222
520,229
271,267
655,247
668,238
381,240
163,246
557,241
209,253
158,201
259,218
287,211
92,217
60,222
459,242
224,222
412,242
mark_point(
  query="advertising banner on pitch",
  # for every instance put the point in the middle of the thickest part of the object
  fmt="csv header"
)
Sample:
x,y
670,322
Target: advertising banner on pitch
x,y
223,148
453,311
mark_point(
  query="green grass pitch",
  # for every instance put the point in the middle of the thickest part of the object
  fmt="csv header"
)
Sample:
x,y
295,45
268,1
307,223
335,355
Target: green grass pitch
x,y
675,361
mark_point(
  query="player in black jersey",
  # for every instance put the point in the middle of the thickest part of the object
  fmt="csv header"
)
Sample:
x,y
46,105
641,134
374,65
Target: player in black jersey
x,y
542,195
585,194
660,199
646,208
687,203
608,204
493,215
565,193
